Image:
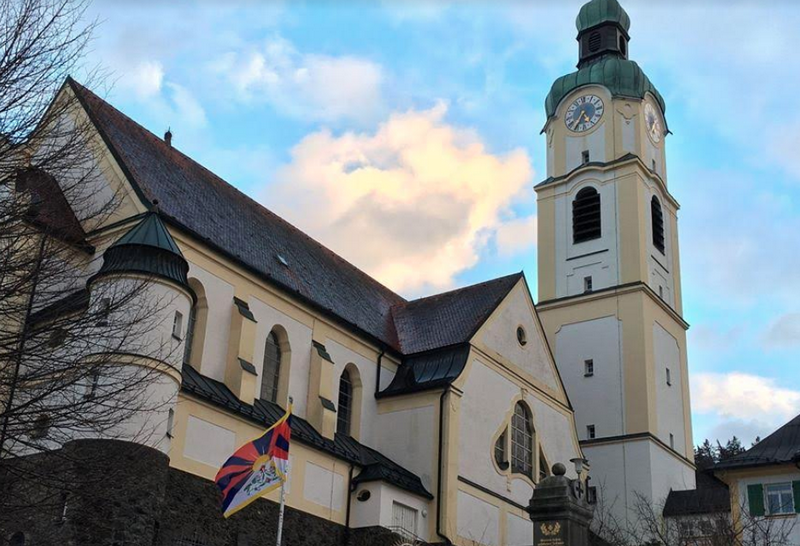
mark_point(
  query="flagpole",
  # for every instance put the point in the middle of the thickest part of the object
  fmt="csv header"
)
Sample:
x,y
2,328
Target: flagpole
x,y
280,514
283,493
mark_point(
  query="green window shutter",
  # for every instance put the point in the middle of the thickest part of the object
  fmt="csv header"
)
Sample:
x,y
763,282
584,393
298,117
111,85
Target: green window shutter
x,y
755,497
796,491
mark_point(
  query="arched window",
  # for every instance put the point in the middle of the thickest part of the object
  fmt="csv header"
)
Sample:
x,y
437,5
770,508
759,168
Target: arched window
x,y
344,410
657,217
271,373
196,327
586,216
522,441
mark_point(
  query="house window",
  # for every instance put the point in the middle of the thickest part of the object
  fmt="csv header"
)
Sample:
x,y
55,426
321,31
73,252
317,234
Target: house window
x,y
92,383
177,325
500,454
590,432
669,378
41,427
588,368
105,310
272,369
780,498
671,440
345,407
585,157
522,441
57,338
657,219
587,284
404,520
586,216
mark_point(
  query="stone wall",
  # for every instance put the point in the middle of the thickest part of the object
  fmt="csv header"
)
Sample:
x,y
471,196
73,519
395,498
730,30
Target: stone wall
x,y
123,494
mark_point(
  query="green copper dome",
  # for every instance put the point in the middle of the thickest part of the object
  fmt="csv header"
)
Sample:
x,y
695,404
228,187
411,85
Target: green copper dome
x,y
598,12
623,78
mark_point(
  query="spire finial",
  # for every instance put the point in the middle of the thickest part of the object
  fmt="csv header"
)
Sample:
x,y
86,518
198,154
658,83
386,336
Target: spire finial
x,y
168,137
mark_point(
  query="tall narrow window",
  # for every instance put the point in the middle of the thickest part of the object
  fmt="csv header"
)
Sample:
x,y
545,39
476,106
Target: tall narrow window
x,y
657,217
587,284
585,157
344,411
586,216
590,432
522,441
272,369
588,368
669,378
177,325
187,343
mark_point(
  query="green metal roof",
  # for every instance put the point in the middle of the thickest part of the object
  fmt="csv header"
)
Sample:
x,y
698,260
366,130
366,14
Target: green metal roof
x,y
622,77
597,12
150,232
148,249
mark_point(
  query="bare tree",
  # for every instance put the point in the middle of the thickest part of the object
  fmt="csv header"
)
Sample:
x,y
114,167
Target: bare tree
x,y
648,527
66,335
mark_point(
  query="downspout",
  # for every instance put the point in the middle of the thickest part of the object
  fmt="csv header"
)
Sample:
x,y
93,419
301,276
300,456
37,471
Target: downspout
x,y
378,376
439,473
350,490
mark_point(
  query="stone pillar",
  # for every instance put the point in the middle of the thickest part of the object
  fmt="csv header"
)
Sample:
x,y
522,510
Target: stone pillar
x,y
560,511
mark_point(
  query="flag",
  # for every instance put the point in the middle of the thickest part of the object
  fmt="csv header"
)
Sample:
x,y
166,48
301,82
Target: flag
x,y
256,468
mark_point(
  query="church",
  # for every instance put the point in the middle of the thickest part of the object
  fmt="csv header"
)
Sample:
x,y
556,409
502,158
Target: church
x,y
431,419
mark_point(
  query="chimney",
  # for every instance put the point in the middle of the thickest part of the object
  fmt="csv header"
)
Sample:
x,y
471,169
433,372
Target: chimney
x,y
168,138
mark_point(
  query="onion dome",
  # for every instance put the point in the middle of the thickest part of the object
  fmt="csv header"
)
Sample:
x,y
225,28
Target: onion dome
x,y
598,12
603,57
147,249
622,77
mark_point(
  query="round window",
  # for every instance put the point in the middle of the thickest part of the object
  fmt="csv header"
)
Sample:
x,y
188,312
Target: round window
x,y
522,337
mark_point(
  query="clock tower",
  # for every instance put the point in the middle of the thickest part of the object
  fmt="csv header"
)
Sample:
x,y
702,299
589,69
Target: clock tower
x,y
609,268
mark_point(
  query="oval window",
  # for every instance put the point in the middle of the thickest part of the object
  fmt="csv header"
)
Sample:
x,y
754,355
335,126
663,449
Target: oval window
x,y
522,337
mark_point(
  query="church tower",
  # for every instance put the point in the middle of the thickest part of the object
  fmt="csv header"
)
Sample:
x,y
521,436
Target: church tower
x,y
609,268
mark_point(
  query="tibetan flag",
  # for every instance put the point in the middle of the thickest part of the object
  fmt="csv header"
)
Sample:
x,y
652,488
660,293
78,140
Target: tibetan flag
x,y
258,467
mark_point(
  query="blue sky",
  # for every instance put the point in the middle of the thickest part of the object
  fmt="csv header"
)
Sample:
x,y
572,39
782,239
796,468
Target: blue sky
x,y
405,136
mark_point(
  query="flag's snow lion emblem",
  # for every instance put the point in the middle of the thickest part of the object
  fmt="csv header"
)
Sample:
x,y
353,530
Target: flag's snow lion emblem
x,y
550,529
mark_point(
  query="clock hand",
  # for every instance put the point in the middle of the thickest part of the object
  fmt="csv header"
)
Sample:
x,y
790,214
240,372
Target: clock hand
x,y
577,121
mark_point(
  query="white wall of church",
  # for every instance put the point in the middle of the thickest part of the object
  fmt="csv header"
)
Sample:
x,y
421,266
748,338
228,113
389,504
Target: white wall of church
x,y
669,396
597,340
219,295
597,258
409,437
640,466
478,520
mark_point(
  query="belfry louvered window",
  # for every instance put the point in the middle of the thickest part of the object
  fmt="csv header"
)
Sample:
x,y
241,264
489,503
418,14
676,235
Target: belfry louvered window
x,y
522,441
272,369
586,216
657,215
345,408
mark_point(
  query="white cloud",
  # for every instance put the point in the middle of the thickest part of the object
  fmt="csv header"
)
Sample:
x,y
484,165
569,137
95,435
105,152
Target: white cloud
x,y
305,86
516,236
745,397
783,332
186,107
413,203
145,79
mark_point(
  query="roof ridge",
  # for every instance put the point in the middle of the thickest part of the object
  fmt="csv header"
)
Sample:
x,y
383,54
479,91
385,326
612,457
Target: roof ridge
x,y
262,209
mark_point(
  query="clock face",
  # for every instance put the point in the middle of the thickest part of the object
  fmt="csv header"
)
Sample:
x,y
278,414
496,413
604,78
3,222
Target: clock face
x,y
652,122
584,113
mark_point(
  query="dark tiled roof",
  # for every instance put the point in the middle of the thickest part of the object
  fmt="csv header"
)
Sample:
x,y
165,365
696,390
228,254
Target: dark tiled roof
x,y
226,219
343,447
451,317
780,447
428,370
710,497
198,201
49,208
